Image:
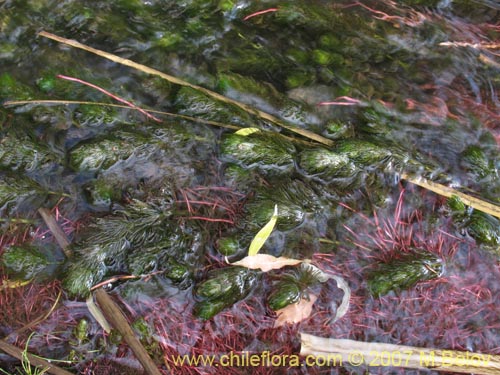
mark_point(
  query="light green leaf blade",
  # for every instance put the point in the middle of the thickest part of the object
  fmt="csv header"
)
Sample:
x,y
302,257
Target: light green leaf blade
x,y
97,314
263,234
247,131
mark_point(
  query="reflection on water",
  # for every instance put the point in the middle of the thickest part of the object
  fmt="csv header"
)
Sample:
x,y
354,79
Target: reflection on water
x,y
397,85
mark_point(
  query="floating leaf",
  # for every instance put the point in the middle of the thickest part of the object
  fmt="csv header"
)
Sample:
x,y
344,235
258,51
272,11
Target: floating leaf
x,y
266,262
263,234
295,312
247,131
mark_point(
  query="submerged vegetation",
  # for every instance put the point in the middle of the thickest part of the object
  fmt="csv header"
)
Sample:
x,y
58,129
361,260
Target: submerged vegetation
x,y
303,124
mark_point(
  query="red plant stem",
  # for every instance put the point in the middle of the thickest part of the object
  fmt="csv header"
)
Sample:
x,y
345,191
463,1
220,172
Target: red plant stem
x,y
214,205
260,12
131,105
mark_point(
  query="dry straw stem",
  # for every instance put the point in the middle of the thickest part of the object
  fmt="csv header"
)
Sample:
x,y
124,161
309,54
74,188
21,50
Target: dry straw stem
x,y
437,188
178,81
358,353
448,192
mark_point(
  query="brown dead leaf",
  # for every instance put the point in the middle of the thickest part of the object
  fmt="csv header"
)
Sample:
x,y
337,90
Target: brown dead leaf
x,y
266,262
295,312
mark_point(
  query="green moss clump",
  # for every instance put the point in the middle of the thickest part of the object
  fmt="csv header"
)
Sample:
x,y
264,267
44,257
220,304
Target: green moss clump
x,y
18,192
261,211
228,246
403,273
484,229
11,88
293,286
338,130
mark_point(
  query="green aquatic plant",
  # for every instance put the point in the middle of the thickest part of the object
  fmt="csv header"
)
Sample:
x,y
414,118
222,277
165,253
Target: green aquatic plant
x,y
363,153
110,239
261,210
404,272
325,164
191,102
10,87
265,151
294,198
484,228
22,151
19,193
293,286
264,95
222,288
102,153
338,129
475,161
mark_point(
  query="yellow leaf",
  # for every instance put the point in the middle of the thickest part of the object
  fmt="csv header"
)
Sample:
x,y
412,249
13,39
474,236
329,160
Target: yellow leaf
x,y
263,234
14,283
266,262
247,131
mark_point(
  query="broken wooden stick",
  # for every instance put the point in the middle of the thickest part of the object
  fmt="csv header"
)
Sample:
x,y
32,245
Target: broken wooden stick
x,y
114,315
56,230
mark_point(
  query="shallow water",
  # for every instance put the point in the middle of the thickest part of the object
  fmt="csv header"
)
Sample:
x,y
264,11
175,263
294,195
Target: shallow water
x,y
419,79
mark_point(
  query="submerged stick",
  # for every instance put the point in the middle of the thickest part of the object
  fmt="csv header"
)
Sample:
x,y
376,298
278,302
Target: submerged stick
x,y
178,81
114,315
328,351
15,352
56,230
